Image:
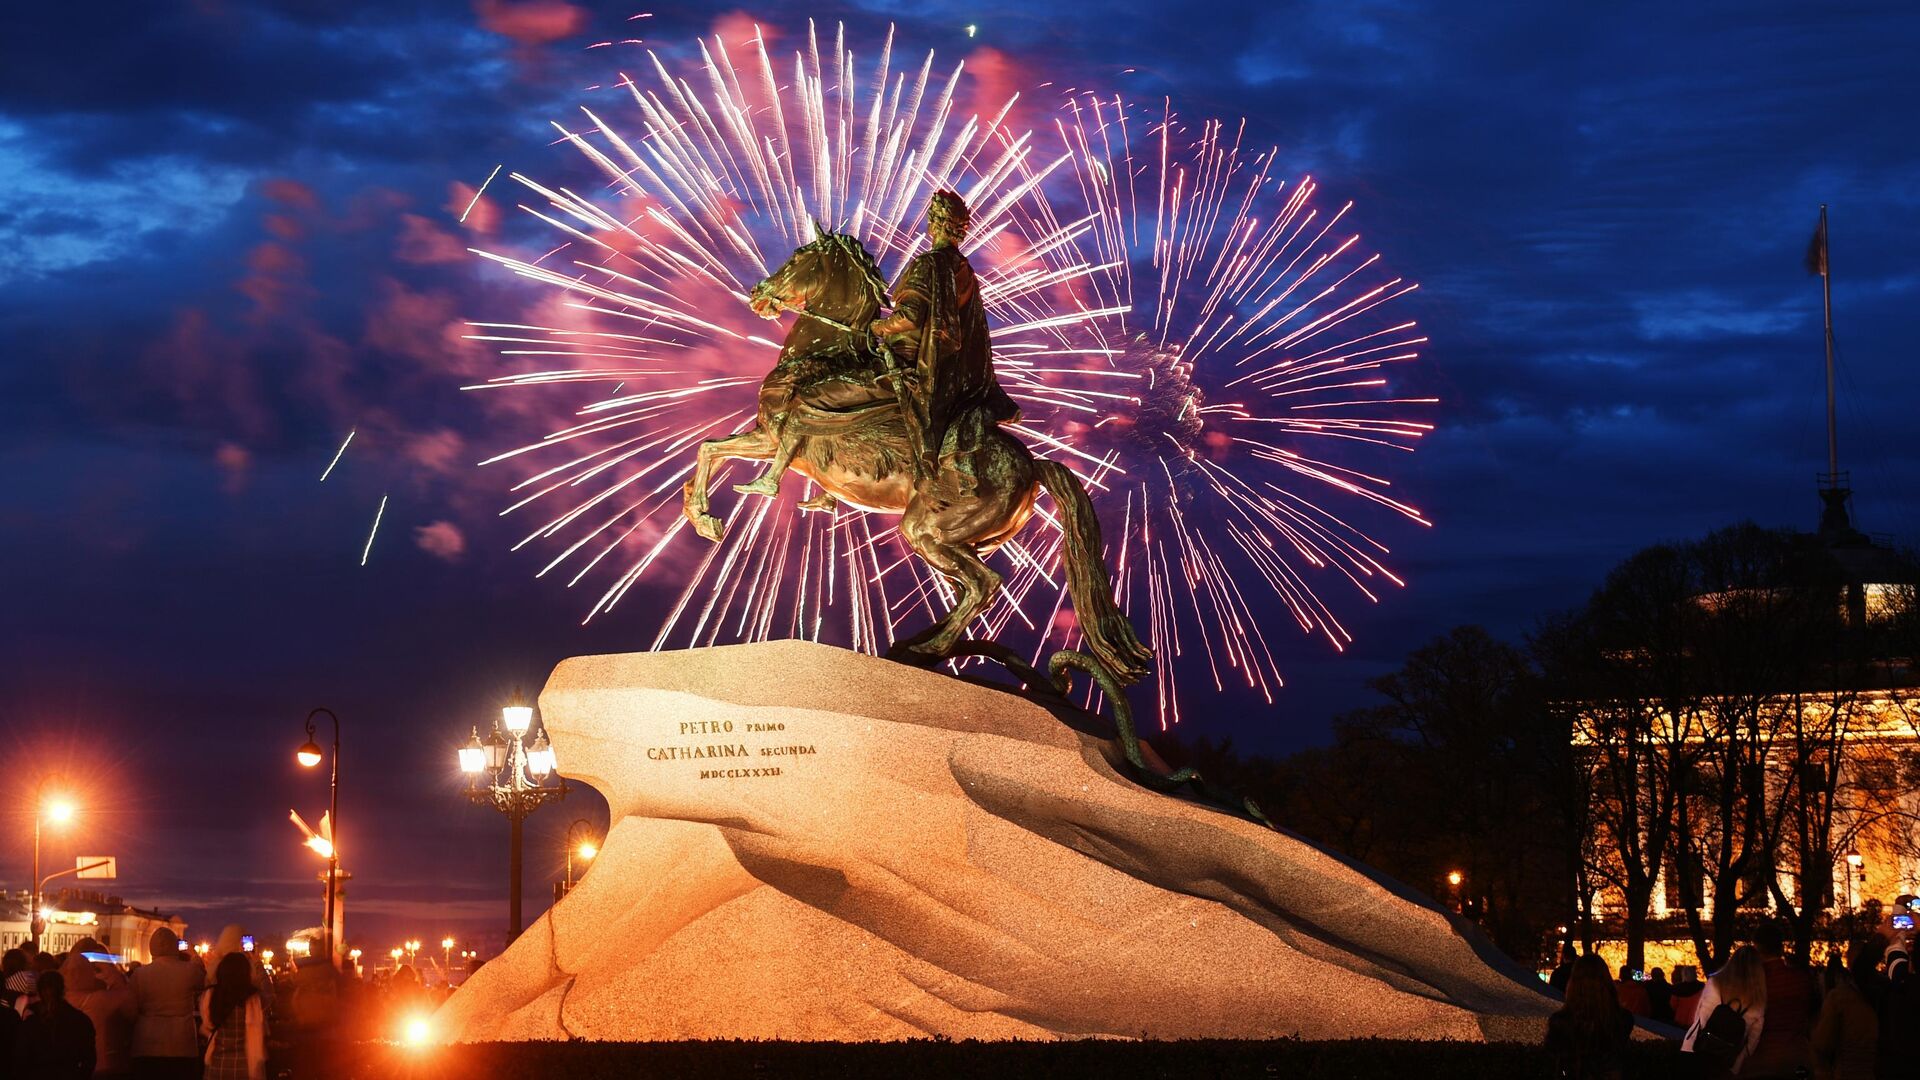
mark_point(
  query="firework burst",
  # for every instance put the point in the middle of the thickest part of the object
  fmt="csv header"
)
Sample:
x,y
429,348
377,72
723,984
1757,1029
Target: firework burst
x,y
1245,349
1182,328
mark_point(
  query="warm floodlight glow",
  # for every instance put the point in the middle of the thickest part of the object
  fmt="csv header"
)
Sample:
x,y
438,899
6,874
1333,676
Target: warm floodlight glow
x,y
1854,860
1454,878
446,943
309,754
588,850
321,845
417,1031
517,716
60,810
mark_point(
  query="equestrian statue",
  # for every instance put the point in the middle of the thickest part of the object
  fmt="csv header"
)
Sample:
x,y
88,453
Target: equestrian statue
x,y
902,414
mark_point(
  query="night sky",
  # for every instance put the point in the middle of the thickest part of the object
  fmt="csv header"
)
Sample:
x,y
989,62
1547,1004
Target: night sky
x,y
228,235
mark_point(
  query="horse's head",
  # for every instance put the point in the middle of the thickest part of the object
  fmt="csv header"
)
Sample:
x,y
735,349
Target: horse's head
x,y
833,276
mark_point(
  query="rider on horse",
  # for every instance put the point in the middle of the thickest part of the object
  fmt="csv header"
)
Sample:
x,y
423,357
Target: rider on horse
x,y
941,357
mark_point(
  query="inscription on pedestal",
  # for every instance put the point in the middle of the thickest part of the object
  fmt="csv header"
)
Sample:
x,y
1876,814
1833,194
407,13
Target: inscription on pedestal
x,y
725,740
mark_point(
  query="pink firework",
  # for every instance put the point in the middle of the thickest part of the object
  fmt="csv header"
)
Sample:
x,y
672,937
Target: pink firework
x,y
1193,336
1243,346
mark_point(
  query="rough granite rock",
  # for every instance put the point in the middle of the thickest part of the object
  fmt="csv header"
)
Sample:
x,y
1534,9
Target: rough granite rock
x,y
863,850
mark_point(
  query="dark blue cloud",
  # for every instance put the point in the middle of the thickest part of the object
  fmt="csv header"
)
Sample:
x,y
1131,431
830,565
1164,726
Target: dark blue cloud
x,y
1606,207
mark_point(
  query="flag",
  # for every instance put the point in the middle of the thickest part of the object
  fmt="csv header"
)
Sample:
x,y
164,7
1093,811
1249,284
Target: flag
x,y
1817,247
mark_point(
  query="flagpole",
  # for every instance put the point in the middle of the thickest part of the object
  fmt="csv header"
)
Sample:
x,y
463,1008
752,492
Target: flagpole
x,y
1826,289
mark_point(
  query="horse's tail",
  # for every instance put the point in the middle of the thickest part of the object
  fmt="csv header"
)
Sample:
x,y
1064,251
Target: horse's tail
x,y
1109,634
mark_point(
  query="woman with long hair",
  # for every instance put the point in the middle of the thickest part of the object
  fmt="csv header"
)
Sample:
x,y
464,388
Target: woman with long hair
x,y
234,1023
1588,1036
1741,985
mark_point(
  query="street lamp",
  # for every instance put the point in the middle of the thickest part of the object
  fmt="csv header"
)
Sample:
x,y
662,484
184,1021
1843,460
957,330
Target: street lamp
x,y
308,756
446,957
586,849
1855,866
516,784
58,810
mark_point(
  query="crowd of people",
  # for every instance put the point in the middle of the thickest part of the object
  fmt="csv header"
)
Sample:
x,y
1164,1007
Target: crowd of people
x,y
217,1015
1767,1014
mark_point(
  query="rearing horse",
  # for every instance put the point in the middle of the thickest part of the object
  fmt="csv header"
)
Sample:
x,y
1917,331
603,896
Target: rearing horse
x,y
828,390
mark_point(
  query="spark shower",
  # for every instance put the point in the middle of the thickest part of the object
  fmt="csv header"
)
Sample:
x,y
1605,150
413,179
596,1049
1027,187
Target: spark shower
x,y
1184,324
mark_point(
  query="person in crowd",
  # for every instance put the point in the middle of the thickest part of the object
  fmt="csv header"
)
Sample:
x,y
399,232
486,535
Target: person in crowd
x,y
1846,1036
1633,996
315,1013
1785,1046
1588,1036
1899,965
1659,996
1741,985
166,1039
9,1028
1558,980
1685,995
55,1041
101,991
1899,1027
234,1022
15,978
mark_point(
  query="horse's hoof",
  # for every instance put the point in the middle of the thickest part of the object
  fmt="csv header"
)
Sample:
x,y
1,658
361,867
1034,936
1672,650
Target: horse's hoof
x,y
710,527
820,504
762,486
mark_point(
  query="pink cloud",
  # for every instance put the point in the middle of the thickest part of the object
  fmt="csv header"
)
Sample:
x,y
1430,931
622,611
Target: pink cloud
x,y
421,242
532,22
291,193
442,540
482,214
738,27
235,461
441,451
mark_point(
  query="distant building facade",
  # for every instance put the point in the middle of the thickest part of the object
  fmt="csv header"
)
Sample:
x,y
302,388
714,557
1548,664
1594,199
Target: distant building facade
x,y
76,914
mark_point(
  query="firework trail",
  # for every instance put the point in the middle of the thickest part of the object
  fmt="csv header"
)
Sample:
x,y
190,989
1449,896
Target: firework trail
x,y
1180,328
1244,349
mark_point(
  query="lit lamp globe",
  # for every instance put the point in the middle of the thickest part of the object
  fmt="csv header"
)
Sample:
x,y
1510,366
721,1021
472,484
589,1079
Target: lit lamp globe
x,y
60,810
496,748
308,754
473,756
588,849
540,761
517,715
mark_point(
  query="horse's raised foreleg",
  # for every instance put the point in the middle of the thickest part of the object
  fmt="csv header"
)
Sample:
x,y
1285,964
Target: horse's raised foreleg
x,y
752,444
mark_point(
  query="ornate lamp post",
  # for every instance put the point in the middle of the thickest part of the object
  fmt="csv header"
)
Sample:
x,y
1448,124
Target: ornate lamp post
x,y
59,811
309,755
516,784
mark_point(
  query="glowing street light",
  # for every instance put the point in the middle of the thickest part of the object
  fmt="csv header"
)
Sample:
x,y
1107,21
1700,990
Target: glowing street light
x,y
1454,878
585,849
516,774
309,755
59,810
1855,869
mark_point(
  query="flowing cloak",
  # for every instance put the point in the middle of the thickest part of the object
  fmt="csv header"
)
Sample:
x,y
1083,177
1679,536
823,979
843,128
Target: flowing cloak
x,y
948,360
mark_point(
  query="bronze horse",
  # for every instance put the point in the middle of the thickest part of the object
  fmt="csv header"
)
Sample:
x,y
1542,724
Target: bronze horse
x,y
853,444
